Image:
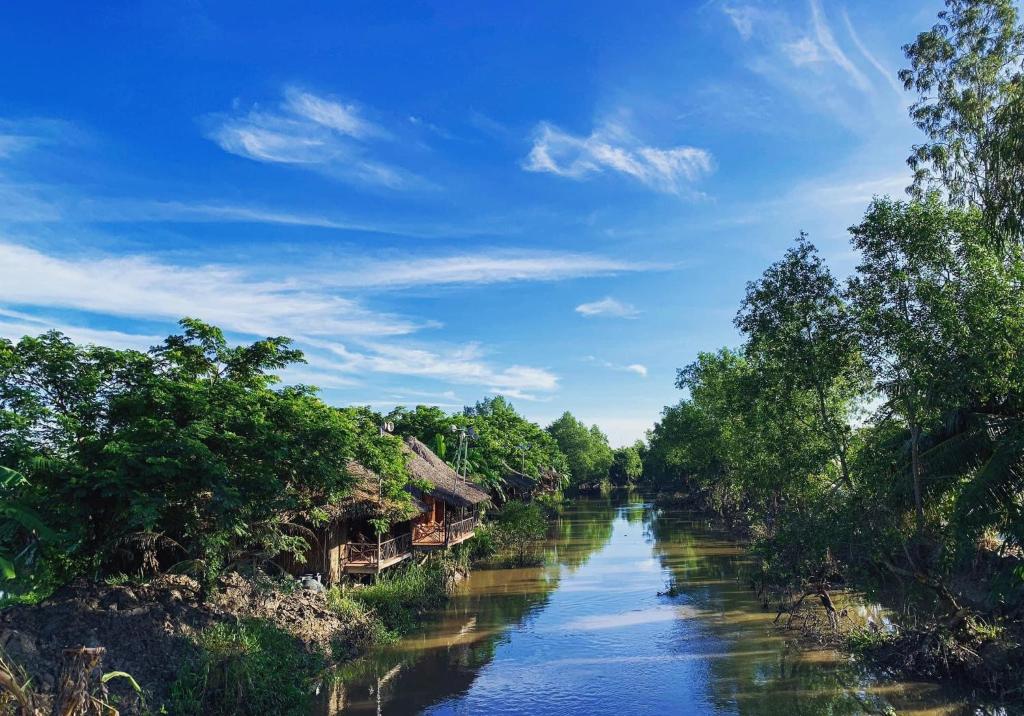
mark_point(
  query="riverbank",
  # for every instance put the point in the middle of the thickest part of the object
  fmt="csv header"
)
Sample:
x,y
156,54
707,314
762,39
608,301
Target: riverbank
x,y
250,646
984,661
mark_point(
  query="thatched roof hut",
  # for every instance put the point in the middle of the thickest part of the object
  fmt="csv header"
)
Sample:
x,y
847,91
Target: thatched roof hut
x,y
448,486
365,499
516,481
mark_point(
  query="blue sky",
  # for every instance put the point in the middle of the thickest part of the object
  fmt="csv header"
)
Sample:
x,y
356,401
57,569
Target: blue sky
x,y
558,202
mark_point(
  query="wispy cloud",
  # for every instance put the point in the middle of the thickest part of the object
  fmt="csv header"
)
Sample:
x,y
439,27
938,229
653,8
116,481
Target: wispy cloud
x,y
742,18
116,210
141,287
801,54
832,49
15,324
804,51
482,267
639,368
344,338
464,364
889,75
312,132
611,147
607,307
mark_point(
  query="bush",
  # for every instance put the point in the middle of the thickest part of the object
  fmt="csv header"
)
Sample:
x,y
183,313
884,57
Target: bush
x,y
247,668
519,531
353,611
399,597
482,545
552,503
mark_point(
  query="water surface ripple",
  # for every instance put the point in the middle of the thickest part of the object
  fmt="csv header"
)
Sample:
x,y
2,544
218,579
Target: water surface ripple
x,y
589,634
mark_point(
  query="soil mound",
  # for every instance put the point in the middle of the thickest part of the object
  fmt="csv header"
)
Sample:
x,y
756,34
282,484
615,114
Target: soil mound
x,y
148,629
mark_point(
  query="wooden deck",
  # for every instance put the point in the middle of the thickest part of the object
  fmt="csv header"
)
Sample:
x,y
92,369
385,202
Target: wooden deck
x,y
373,558
440,535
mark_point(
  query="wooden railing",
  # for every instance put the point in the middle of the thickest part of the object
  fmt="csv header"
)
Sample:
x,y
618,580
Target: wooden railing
x,y
432,532
460,528
373,553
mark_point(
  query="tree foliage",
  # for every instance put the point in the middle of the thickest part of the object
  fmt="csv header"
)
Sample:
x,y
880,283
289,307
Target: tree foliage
x,y
585,448
187,453
967,71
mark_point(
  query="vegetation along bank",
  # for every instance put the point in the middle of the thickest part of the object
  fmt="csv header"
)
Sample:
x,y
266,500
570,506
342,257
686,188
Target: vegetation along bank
x,y
167,512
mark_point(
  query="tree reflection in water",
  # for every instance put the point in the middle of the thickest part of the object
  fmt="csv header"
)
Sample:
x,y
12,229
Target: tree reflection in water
x,y
589,633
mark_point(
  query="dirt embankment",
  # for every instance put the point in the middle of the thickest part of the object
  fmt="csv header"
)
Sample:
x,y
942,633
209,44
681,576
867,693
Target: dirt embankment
x,y
148,630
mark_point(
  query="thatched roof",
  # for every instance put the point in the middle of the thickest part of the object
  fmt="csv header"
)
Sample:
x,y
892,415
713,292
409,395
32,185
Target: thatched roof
x,y
517,480
423,464
550,477
365,499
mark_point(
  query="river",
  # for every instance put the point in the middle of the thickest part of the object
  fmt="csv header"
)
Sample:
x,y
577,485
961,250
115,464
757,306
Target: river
x,y
589,634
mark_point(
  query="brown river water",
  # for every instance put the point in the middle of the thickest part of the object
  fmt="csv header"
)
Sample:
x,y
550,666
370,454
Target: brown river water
x,y
589,634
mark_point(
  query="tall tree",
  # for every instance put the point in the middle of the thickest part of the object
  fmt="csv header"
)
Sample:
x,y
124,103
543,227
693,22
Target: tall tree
x,y
967,72
801,335
936,309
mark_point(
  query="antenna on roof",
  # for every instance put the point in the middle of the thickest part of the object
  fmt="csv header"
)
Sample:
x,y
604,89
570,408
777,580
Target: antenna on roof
x,y
462,452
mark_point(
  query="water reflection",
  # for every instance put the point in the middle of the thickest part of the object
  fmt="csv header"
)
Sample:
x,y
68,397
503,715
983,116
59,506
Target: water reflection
x,y
589,633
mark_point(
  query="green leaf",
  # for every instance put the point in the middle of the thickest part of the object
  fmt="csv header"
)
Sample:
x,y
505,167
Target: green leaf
x,y
7,569
122,675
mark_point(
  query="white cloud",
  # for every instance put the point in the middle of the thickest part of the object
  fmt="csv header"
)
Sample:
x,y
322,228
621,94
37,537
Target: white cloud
x,y
637,368
609,307
463,364
478,268
140,287
832,49
295,305
801,52
889,75
612,147
742,19
312,132
14,325
342,118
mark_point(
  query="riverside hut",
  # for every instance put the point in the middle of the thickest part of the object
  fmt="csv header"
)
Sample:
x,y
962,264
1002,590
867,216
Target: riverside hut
x,y
454,503
443,513
517,485
347,543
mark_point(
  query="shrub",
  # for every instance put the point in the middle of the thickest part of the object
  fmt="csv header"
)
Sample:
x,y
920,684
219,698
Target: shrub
x,y
482,545
519,531
247,668
354,612
399,597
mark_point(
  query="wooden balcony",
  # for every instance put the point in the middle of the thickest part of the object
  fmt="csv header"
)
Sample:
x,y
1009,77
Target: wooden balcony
x,y
373,557
437,535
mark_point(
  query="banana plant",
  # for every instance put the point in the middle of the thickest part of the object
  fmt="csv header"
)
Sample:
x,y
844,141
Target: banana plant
x,y
20,527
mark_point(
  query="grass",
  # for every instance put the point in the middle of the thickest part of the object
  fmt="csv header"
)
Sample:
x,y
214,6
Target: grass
x,y
400,597
354,611
247,668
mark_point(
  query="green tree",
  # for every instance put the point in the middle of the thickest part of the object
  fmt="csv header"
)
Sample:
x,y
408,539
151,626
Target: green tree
x,y
187,452
921,320
803,338
519,530
586,449
627,464
967,71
